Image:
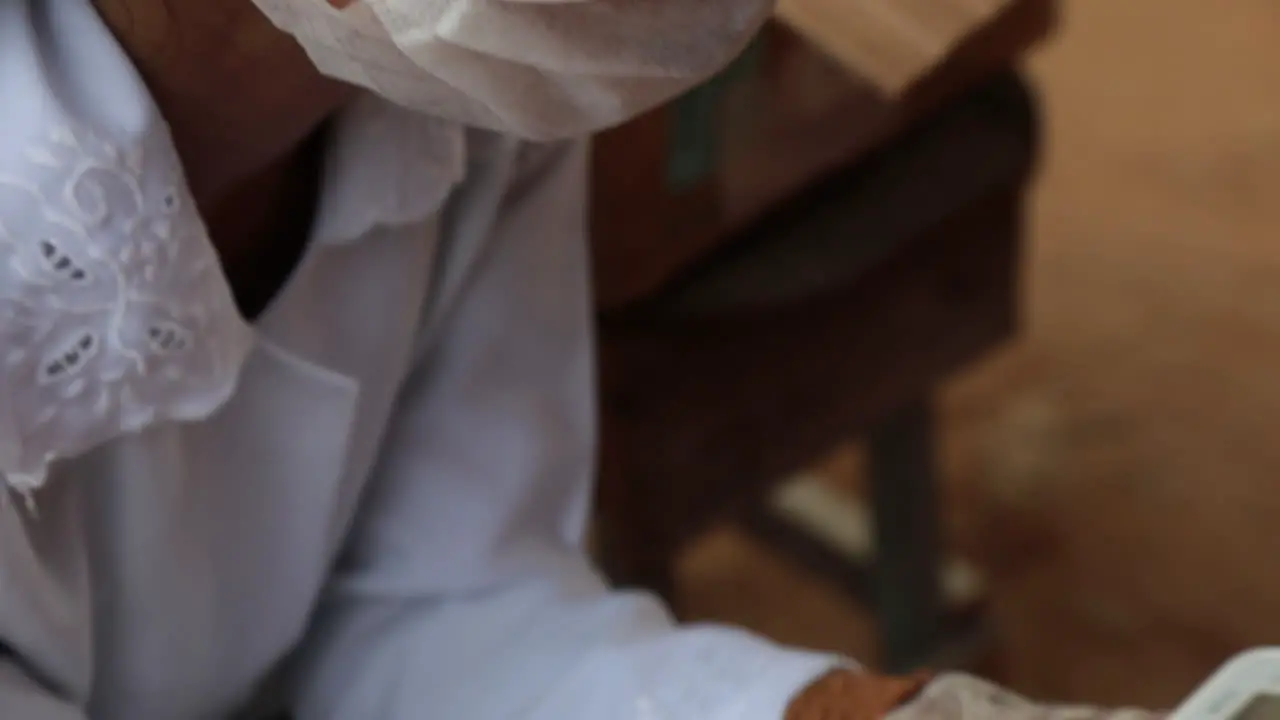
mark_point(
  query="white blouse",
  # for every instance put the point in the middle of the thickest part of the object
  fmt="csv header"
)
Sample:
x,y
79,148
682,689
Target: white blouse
x,y
368,504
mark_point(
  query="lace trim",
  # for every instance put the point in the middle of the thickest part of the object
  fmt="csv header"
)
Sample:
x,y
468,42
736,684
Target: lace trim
x,y
114,313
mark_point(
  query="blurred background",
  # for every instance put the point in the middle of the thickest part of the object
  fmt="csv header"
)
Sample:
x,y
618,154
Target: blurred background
x,y
950,334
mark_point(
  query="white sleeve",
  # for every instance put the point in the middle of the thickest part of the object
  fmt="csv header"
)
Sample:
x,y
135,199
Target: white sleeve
x,y
48,52
45,620
21,698
466,592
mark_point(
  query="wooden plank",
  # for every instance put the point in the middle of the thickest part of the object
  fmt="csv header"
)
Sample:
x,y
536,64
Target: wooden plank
x,y
796,119
890,43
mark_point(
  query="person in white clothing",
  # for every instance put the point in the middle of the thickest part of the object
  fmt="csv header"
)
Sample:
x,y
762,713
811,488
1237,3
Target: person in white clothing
x,y
296,405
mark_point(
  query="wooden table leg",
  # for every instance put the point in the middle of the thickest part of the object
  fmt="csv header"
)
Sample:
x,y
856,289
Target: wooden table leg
x,y
905,507
633,542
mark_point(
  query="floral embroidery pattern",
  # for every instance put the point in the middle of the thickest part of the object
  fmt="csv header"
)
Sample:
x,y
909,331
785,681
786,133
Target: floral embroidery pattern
x,y
113,310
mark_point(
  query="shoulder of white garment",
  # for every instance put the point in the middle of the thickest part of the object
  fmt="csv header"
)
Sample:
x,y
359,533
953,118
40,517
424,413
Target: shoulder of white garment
x,y
114,310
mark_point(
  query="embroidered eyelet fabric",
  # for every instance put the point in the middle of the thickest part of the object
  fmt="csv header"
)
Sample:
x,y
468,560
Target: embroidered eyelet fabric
x,y
114,312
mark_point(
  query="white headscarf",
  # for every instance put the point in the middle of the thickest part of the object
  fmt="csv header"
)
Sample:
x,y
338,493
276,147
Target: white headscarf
x,y
540,69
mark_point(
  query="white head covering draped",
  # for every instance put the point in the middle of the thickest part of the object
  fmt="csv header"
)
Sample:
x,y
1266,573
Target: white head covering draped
x,y
537,68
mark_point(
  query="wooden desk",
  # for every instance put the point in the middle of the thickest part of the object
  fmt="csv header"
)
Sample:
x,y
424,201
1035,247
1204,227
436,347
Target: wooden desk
x,y
739,340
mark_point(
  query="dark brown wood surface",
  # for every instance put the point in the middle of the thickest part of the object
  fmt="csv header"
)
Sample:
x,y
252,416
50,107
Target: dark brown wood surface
x,y
837,310
705,414
799,118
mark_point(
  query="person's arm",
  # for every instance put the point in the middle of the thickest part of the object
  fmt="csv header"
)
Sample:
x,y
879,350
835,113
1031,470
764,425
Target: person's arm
x,y
45,626
465,591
